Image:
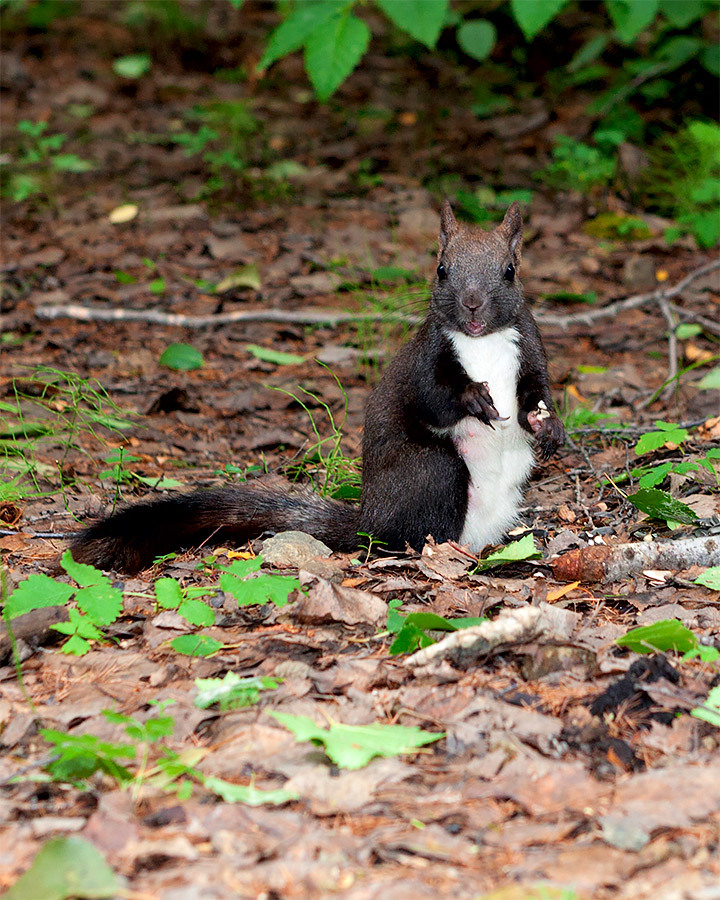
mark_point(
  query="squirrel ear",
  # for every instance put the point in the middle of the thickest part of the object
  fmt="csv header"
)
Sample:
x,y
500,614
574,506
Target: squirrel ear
x,y
448,223
511,228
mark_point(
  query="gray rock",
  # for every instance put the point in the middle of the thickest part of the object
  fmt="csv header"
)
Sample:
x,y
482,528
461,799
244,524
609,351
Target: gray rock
x,y
293,549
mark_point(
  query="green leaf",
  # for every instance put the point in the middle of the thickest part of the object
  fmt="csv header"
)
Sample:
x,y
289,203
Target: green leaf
x,y
523,549
660,505
394,618
630,17
37,592
81,755
333,50
232,691
248,794
134,66
182,357
157,286
266,354
710,578
651,477
533,15
66,867
686,330
589,52
710,59
85,575
666,433
477,38
242,567
710,710
668,634
297,28
195,612
69,162
680,13
409,639
102,603
353,746
422,19
706,227
168,593
711,381
196,645
263,589
247,277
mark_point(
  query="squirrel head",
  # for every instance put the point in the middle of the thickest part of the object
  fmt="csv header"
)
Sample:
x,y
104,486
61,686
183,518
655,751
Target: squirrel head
x,y
477,289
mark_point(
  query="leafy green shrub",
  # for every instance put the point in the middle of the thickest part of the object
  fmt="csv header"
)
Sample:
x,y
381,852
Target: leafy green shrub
x,y
577,166
684,180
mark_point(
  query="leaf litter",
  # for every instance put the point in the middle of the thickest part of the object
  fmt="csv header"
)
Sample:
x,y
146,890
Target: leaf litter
x,y
554,759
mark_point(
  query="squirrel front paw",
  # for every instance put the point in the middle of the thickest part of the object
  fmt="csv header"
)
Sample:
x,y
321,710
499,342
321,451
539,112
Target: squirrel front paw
x,y
548,430
478,402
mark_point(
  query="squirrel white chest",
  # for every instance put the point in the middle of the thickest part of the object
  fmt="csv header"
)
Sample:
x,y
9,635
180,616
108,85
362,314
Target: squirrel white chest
x,y
499,459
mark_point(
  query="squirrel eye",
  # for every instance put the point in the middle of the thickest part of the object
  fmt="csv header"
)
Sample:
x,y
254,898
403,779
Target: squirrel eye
x,y
441,271
509,273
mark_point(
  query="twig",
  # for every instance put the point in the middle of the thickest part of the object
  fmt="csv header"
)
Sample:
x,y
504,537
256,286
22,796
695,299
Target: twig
x,y
157,317
662,293
672,346
707,324
336,316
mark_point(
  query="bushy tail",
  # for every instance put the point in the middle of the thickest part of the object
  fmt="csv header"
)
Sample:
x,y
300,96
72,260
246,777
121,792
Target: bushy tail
x,y
130,539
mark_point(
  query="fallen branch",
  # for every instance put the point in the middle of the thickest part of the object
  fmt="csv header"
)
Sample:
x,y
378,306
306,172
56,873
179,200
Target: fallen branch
x,y
157,317
337,316
512,626
599,563
661,293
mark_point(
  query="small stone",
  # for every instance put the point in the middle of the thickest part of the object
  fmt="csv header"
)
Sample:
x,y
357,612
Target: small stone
x,y
293,549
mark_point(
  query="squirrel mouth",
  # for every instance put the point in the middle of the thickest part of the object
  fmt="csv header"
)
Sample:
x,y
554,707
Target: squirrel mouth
x,y
475,327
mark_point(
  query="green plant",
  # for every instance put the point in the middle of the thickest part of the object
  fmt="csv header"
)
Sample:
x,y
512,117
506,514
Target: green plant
x,y
660,505
353,746
514,552
683,181
710,710
576,166
170,595
240,581
332,472
38,162
48,414
710,578
181,357
97,602
117,459
651,476
412,630
232,691
668,634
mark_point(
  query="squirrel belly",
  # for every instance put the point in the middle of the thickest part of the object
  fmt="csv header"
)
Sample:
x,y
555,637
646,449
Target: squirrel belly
x,y
499,459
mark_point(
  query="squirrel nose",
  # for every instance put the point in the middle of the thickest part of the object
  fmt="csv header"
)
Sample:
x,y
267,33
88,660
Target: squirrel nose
x,y
473,302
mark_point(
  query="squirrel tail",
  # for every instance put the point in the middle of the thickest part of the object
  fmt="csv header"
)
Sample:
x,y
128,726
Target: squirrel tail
x,y
130,539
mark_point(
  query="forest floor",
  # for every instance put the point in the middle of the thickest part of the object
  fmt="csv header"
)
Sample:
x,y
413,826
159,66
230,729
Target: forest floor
x,y
569,766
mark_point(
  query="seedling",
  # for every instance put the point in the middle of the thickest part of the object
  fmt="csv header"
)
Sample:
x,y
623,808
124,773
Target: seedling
x,y
412,630
668,634
232,691
515,552
39,162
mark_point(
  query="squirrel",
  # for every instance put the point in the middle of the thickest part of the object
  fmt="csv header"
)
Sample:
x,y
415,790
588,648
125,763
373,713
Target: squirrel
x,y
451,431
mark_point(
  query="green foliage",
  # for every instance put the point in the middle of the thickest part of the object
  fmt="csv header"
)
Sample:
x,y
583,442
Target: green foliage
x,y
81,756
259,589
411,630
651,476
477,37
132,67
232,691
515,552
98,602
51,412
577,166
38,162
247,794
182,357
683,180
332,472
669,634
116,460
660,505
353,746
485,206
710,578
710,381
710,710
196,645
614,226
170,595
534,15
66,867
267,354
667,433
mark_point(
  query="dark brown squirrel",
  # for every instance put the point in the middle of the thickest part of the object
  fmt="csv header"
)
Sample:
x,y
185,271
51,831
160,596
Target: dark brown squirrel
x,y
451,431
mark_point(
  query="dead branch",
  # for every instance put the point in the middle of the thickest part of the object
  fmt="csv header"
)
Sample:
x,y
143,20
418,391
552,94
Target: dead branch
x,y
158,317
598,564
512,626
335,317
661,293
